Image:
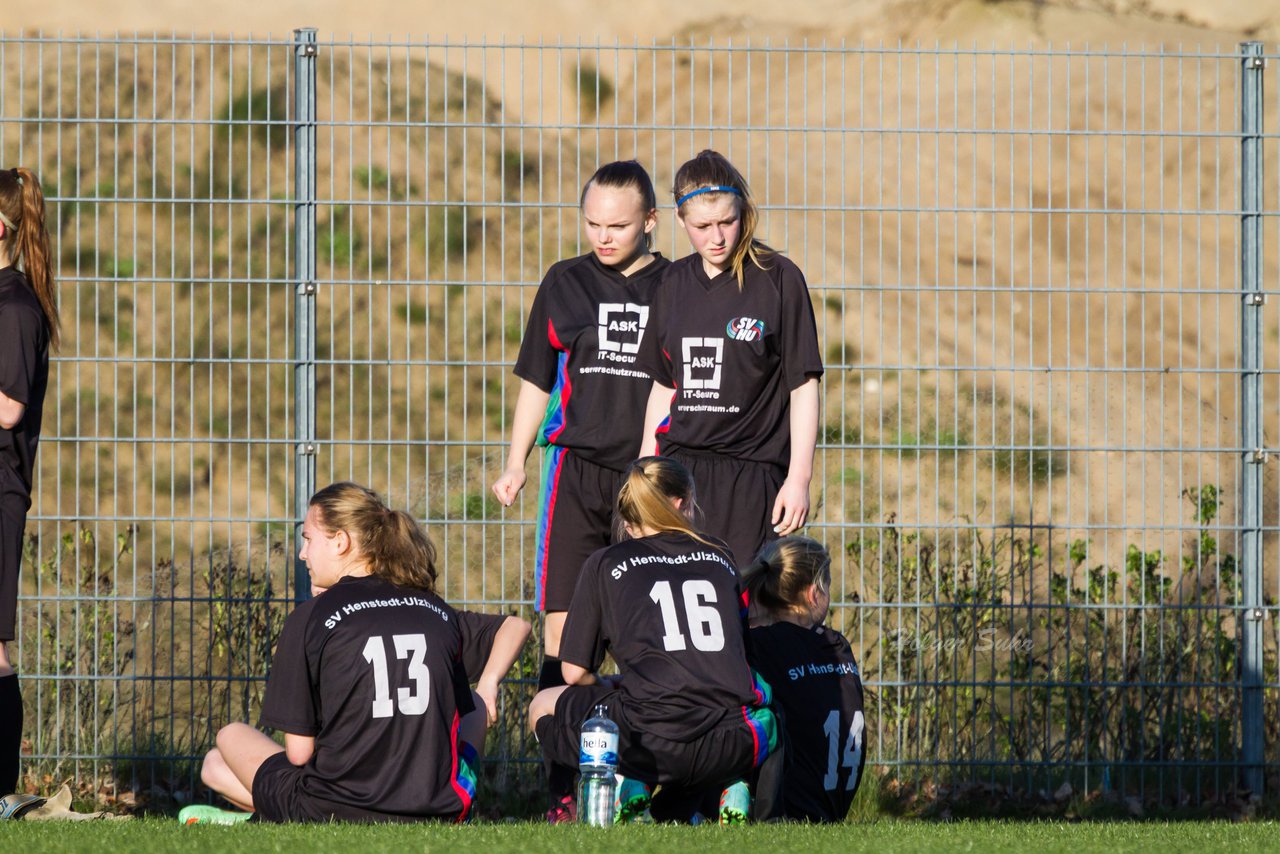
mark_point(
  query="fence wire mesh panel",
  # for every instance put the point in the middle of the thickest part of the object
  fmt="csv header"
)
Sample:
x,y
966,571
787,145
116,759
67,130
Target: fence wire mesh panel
x,y
1028,273
159,551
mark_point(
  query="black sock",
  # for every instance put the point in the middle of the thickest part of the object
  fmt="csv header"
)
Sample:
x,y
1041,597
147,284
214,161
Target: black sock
x,y
559,781
550,677
10,733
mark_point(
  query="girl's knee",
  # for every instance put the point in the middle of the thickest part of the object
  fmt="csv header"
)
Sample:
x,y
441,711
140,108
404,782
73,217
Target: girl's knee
x,y
212,768
228,734
538,710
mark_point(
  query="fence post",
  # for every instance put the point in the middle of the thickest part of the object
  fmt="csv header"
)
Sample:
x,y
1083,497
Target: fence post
x,y
1253,66
304,300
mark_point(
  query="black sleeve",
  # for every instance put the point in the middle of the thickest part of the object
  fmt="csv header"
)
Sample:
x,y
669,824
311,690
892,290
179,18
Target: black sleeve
x,y
20,345
582,640
538,358
652,357
288,704
801,356
462,690
478,632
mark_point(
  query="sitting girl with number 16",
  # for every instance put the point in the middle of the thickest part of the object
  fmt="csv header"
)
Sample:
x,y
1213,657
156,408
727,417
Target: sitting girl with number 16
x,y
666,604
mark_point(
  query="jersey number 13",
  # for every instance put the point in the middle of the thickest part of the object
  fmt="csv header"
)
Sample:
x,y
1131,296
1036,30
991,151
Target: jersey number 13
x,y
411,700
705,628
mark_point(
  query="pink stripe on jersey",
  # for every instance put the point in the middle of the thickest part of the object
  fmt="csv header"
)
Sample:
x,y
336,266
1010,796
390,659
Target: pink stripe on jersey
x,y
463,794
566,385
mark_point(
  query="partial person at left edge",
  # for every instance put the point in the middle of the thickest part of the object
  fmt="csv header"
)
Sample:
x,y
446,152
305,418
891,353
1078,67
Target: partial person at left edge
x,y
28,330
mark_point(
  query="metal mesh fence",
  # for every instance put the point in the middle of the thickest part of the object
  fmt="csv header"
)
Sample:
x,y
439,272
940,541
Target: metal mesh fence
x,y
1030,274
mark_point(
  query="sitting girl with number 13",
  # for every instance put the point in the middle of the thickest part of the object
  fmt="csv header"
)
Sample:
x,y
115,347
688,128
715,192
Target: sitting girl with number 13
x,y
369,683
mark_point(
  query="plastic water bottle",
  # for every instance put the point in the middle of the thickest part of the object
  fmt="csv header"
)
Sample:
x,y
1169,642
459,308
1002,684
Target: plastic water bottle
x,y
598,767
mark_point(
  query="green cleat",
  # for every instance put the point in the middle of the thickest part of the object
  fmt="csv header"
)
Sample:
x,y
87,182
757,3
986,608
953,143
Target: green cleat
x,y
633,802
205,814
735,804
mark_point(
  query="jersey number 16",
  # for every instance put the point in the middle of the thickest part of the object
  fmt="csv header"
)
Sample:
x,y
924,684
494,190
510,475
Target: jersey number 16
x,y
705,629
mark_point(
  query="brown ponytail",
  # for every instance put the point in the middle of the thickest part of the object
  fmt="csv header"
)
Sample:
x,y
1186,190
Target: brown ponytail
x,y
784,570
22,204
395,546
644,501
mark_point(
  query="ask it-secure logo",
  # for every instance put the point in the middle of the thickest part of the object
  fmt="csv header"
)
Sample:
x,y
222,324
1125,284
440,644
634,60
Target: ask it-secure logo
x,y
744,329
621,326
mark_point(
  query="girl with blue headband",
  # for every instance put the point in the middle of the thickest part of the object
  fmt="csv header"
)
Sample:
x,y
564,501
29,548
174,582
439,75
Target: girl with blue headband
x,y
733,353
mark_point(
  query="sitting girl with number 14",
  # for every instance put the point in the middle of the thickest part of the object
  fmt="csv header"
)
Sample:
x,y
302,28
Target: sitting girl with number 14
x,y
814,677
369,683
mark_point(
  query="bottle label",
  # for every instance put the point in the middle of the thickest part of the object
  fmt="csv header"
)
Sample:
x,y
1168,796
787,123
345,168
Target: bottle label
x,y
598,748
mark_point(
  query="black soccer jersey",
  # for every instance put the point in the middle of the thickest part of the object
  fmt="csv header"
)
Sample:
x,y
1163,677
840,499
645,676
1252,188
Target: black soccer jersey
x,y
733,357
374,672
24,371
478,632
585,327
669,610
816,683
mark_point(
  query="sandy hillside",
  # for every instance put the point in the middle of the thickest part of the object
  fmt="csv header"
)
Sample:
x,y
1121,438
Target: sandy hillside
x,y
610,20
1079,333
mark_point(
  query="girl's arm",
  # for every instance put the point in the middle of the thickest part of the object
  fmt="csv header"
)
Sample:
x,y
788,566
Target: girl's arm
x,y
507,644
531,407
299,748
791,508
577,675
658,407
11,411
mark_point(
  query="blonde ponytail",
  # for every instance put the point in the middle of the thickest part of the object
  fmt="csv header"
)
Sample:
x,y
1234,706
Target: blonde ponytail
x,y
645,499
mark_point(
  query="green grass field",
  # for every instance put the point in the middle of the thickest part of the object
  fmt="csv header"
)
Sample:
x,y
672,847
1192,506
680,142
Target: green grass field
x,y
882,837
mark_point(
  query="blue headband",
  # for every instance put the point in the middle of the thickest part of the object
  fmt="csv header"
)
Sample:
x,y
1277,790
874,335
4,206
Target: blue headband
x,y
713,189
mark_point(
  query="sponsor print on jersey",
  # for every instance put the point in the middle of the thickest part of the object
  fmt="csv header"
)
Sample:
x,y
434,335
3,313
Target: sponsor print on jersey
x,y
744,329
622,326
703,358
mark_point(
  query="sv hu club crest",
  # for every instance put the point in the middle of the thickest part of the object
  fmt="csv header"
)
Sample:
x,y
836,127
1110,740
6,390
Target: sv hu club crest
x,y
745,329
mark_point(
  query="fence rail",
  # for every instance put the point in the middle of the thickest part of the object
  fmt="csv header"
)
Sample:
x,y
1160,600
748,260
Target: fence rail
x,y
1040,278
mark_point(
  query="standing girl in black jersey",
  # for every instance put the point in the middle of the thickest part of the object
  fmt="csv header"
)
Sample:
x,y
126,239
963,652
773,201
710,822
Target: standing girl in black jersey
x,y
28,329
581,393
667,605
815,678
733,353
368,683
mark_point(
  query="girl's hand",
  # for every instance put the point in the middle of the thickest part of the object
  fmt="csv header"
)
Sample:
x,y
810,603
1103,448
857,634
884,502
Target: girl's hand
x,y
791,507
508,486
487,689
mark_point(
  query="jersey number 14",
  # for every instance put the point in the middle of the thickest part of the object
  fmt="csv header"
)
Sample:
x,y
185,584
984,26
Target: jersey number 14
x,y
411,700
852,751
705,628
